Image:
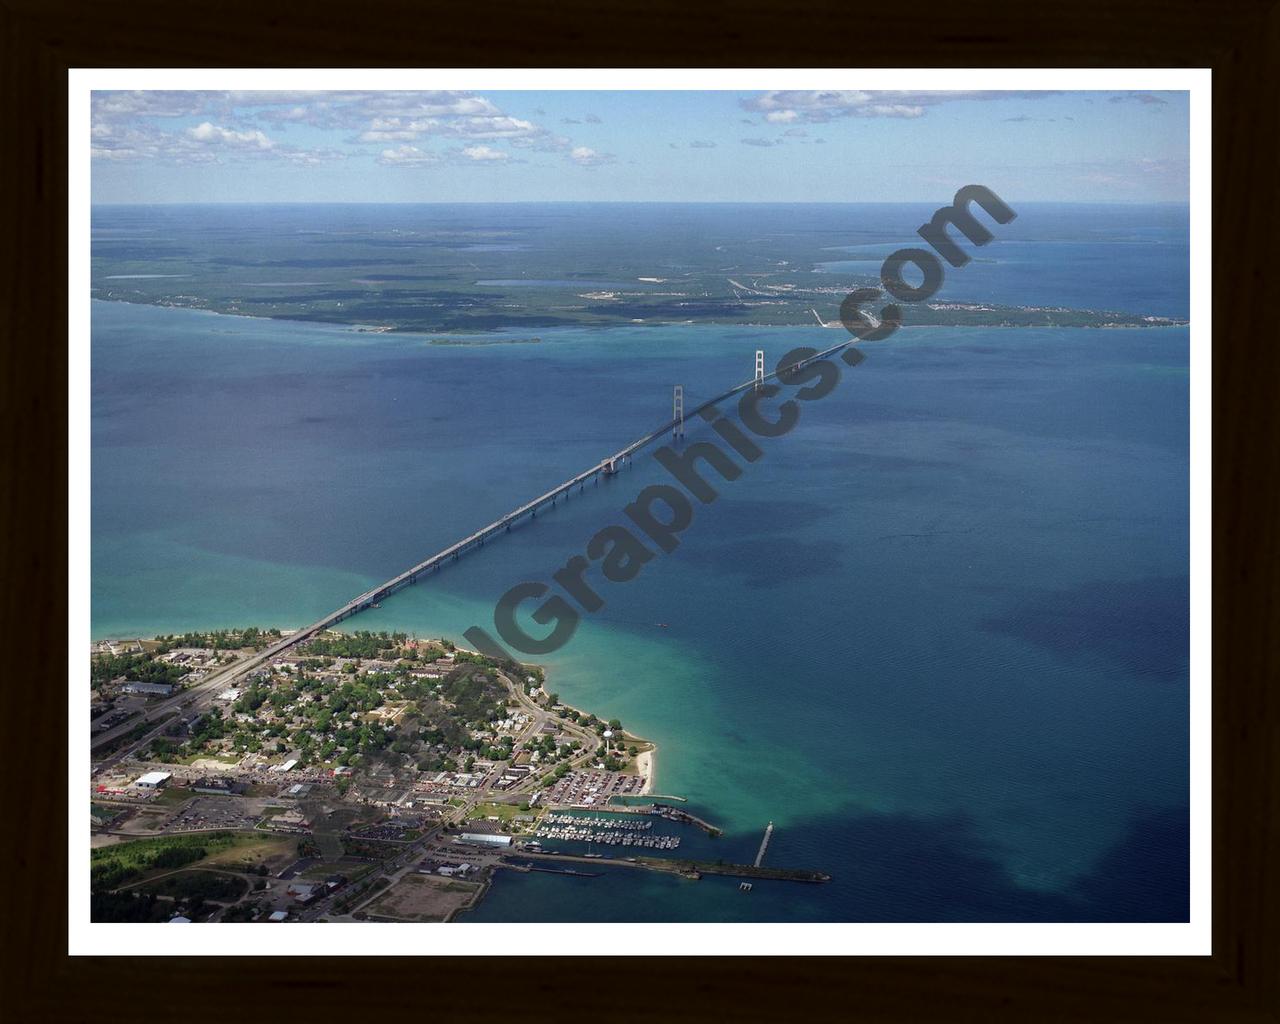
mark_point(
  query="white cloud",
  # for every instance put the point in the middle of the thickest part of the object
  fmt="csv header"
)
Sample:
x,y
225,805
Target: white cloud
x,y
484,153
392,129
487,126
129,125
585,156
493,127
785,107
214,135
205,143
406,156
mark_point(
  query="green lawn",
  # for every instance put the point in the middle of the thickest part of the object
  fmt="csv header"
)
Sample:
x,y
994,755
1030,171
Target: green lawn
x,y
503,812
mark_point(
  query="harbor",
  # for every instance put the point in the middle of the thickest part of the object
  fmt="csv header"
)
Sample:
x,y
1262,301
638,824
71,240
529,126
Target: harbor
x,y
605,832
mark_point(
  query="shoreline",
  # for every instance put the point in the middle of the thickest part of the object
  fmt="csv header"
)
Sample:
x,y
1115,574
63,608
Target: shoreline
x,y
644,760
378,330
644,767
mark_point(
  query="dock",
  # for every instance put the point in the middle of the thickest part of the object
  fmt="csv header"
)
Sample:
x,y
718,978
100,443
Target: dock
x,y
764,843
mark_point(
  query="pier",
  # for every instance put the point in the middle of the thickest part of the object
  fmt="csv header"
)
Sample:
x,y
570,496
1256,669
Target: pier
x,y
764,843
676,814
691,868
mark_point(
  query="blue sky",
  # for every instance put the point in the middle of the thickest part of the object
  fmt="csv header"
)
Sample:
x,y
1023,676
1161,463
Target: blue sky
x,y
800,146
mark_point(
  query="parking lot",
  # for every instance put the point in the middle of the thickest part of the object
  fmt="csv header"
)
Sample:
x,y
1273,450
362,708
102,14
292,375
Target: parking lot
x,y
592,789
210,812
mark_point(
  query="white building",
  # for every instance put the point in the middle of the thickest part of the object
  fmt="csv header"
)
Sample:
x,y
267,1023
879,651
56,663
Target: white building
x,y
484,838
153,780
150,689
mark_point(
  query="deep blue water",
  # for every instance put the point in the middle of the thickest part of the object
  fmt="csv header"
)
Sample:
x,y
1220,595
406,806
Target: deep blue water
x,y
937,634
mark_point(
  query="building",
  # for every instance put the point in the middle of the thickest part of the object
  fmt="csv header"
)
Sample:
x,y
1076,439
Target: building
x,y
278,915
484,839
217,787
149,689
153,780
304,893
290,821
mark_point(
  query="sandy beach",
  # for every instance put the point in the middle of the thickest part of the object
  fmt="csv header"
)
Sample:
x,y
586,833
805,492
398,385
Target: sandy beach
x,y
644,765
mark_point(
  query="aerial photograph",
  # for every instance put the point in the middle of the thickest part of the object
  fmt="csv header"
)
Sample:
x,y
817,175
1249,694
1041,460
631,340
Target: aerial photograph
x,y
637,505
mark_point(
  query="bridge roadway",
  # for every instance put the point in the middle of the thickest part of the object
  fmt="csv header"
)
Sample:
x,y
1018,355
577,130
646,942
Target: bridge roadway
x,y
605,467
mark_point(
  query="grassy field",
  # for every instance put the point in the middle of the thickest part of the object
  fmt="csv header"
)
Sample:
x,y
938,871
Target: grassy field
x,y
250,851
122,863
503,812
111,866
209,885
170,797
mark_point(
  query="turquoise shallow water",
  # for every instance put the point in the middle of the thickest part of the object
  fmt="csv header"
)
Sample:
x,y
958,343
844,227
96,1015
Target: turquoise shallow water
x,y
937,633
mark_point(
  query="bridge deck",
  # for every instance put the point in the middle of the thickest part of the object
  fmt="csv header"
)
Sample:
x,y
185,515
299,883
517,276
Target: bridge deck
x,y
369,597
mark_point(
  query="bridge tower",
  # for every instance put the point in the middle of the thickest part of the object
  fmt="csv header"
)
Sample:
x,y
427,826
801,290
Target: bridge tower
x,y
677,413
759,367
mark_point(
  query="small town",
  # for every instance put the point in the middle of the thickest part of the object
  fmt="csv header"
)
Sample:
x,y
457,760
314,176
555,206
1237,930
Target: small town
x,y
363,776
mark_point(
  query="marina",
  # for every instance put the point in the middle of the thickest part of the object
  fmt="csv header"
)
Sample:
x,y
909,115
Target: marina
x,y
611,823
604,832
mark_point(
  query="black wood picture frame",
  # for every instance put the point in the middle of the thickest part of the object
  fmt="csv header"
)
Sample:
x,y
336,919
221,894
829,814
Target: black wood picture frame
x,y
1238,39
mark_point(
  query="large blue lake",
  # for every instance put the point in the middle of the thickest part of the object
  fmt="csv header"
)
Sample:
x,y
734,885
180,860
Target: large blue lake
x,y
937,634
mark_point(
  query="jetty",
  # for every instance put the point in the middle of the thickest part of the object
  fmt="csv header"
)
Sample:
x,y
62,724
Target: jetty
x,y
692,868
764,843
